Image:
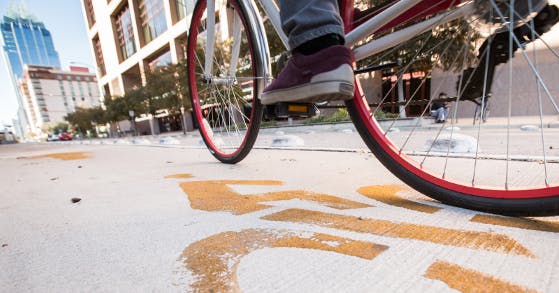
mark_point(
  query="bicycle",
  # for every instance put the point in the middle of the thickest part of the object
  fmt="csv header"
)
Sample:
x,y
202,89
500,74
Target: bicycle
x,y
229,64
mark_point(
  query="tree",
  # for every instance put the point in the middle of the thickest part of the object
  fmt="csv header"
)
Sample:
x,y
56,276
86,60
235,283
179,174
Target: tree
x,y
115,109
166,88
84,119
119,107
161,90
132,100
437,48
57,127
181,83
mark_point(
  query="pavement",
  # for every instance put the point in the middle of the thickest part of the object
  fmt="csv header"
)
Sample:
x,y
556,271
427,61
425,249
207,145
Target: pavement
x,y
161,214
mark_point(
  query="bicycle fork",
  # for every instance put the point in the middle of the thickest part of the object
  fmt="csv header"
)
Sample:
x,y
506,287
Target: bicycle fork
x,y
257,38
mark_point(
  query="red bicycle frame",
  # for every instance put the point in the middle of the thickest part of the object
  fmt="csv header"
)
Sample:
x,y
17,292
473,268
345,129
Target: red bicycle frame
x,y
353,18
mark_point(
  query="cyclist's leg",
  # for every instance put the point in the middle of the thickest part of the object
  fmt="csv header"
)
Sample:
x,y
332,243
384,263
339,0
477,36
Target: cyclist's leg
x,y
320,68
304,21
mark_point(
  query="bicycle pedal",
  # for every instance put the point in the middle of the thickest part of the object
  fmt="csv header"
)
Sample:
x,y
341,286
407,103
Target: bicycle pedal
x,y
285,109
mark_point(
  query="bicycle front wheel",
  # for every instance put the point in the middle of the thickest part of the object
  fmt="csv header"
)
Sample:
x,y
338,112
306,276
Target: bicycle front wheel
x,y
508,165
223,79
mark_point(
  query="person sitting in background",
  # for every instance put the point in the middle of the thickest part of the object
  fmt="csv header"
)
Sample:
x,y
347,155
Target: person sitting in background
x,y
439,109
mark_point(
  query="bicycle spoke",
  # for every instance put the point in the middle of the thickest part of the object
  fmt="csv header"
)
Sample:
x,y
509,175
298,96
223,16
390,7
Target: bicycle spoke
x,y
540,102
224,101
504,154
507,168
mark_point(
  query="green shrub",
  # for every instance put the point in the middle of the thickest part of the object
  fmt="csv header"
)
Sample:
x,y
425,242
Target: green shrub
x,y
271,123
385,115
340,116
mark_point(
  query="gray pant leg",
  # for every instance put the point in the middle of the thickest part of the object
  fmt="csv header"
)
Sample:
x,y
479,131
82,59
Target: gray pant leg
x,y
304,20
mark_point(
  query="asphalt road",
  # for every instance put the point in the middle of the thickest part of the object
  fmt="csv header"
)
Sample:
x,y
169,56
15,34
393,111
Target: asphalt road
x,y
168,217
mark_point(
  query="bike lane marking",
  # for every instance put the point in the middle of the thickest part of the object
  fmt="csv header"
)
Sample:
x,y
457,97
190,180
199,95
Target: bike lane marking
x,y
179,176
70,156
217,196
520,223
458,238
467,280
388,194
214,260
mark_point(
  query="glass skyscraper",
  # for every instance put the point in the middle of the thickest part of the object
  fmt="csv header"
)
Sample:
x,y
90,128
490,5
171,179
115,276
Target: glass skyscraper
x,y
27,42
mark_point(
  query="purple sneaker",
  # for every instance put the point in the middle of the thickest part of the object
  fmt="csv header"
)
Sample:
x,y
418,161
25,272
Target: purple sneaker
x,y
324,76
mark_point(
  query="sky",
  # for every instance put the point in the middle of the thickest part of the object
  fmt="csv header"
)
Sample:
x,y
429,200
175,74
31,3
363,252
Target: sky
x,y
64,19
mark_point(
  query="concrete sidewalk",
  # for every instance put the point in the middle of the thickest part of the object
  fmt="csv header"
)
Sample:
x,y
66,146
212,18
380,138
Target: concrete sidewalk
x,y
172,219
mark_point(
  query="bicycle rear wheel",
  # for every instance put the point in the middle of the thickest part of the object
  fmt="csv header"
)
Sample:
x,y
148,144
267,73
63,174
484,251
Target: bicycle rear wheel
x,y
225,100
509,165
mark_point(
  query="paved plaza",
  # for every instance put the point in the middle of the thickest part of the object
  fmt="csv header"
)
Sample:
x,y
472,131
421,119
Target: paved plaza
x,y
161,214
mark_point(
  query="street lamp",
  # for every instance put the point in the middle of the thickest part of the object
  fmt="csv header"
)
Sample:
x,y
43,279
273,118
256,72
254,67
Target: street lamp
x,y
94,124
133,124
183,121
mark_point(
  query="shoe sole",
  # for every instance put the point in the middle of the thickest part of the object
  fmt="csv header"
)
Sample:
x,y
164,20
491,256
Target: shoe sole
x,y
311,93
332,85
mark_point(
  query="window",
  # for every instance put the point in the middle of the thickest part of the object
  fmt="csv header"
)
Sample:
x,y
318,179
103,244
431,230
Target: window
x,y
181,47
125,33
99,56
61,86
152,17
90,13
106,90
184,8
161,61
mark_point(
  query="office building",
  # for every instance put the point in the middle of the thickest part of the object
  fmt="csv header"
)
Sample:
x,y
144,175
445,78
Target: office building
x,y
25,40
50,93
130,36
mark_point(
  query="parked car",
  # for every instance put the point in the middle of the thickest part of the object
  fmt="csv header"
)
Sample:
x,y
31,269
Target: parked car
x,y
52,137
65,136
7,137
